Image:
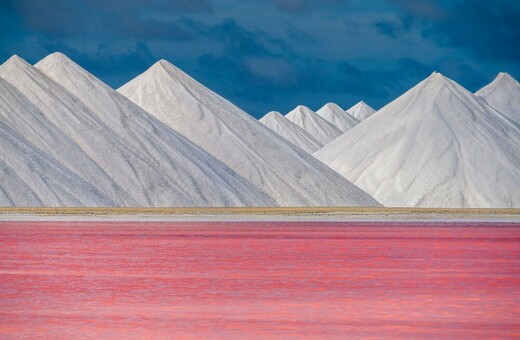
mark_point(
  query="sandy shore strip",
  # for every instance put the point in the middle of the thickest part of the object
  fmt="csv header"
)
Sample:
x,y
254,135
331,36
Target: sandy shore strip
x,y
329,214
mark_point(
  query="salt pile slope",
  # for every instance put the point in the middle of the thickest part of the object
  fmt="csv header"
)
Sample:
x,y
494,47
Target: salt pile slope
x,y
437,145
113,144
291,132
284,171
361,111
315,125
31,178
21,116
503,93
336,116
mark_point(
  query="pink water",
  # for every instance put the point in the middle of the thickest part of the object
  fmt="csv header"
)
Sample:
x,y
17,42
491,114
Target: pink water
x,y
259,280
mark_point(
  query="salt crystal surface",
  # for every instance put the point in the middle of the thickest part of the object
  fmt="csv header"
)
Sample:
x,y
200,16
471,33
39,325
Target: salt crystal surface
x,y
290,131
129,157
503,93
336,116
361,111
285,172
315,125
437,145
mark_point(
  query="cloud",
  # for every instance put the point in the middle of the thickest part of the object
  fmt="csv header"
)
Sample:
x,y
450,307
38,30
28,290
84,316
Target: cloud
x,y
488,29
52,17
109,20
247,58
179,6
430,9
292,5
393,28
151,29
239,40
300,36
299,6
256,70
389,28
276,70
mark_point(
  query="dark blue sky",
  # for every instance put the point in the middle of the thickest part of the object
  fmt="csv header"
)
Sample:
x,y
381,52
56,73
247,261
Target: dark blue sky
x,y
275,54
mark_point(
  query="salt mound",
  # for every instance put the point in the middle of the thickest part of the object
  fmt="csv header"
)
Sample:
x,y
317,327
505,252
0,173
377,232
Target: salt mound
x,y
503,93
315,125
361,111
282,170
437,145
107,141
337,117
290,131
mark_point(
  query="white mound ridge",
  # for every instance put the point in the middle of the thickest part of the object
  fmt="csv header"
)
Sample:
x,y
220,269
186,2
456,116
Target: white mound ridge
x,y
282,170
104,139
503,93
290,131
437,145
336,116
361,111
315,125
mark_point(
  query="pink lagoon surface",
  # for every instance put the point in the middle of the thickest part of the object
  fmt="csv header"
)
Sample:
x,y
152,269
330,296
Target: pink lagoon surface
x,y
259,280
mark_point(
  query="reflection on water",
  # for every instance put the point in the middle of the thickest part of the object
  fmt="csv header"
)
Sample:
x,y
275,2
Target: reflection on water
x,y
232,280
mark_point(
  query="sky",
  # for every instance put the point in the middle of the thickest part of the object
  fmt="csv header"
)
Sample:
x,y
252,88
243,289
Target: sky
x,y
268,55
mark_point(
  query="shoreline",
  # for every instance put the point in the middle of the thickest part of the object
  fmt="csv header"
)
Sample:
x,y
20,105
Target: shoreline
x,y
282,214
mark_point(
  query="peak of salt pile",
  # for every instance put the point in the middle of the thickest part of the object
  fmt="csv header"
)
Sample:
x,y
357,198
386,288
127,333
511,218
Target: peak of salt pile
x,y
315,125
503,93
361,111
338,117
437,145
282,170
290,131
108,141
15,61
